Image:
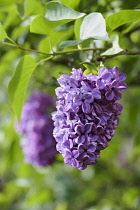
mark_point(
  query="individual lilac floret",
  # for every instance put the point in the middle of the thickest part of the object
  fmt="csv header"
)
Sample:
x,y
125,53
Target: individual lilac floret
x,y
38,144
87,114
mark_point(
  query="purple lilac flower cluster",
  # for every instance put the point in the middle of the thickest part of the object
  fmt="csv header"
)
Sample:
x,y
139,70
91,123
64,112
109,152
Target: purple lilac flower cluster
x,y
38,143
86,116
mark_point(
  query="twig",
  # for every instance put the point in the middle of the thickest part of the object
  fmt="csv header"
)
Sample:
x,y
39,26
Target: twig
x,y
53,53
122,53
72,51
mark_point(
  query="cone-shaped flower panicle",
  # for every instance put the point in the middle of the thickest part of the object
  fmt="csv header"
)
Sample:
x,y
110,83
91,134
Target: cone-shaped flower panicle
x,y
38,143
87,114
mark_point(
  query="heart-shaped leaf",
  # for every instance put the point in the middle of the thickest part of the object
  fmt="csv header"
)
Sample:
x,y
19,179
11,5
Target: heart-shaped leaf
x,y
56,14
41,25
93,26
56,11
115,48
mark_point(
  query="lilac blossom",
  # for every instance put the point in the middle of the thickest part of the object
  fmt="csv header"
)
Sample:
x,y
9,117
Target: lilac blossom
x,y
38,143
87,114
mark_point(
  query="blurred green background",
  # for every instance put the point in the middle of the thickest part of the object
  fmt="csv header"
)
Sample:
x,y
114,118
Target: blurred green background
x,y
113,183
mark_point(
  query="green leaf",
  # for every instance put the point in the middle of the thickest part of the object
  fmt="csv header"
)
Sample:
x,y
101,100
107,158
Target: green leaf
x,y
130,27
3,34
33,7
90,68
70,43
77,26
57,14
115,48
71,3
94,26
56,38
41,25
119,18
56,11
6,2
19,82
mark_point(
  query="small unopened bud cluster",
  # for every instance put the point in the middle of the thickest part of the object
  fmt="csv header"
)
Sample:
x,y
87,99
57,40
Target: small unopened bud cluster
x,y
38,143
87,114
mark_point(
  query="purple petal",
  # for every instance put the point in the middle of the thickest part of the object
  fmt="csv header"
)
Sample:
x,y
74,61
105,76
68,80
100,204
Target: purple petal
x,y
100,84
81,148
100,147
102,71
58,147
83,128
88,98
94,137
75,163
59,138
91,148
81,156
122,76
68,161
109,95
96,94
104,117
81,139
75,153
78,129
107,77
115,71
67,144
115,84
122,87
86,107
88,127
92,156
117,95
99,129
76,73
67,153
119,107
98,109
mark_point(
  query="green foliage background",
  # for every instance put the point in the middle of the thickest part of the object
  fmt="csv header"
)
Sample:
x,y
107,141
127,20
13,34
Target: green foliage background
x,y
112,184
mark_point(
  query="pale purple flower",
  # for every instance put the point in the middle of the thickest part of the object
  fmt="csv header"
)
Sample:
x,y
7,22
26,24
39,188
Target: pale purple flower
x,y
36,127
87,114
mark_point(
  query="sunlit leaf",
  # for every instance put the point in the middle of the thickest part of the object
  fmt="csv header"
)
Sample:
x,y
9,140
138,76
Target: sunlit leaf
x,y
56,14
33,7
56,38
71,3
56,11
6,2
42,25
19,82
3,33
119,18
115,48
90,68
94,26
